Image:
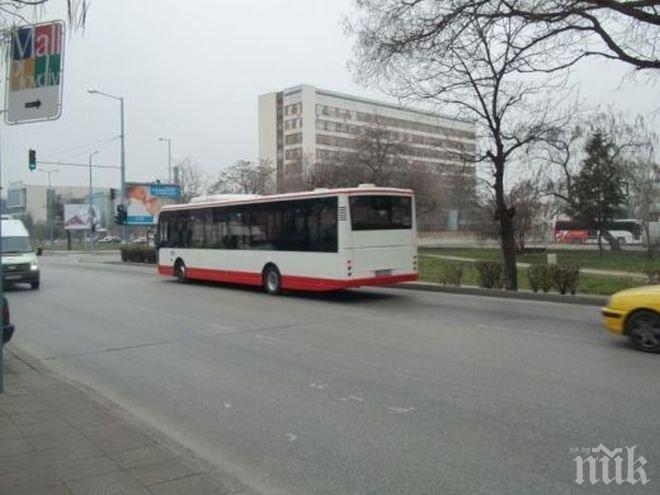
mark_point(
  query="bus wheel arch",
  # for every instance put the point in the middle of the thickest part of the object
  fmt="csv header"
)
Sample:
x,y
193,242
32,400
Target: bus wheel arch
x,y
180,271
271,279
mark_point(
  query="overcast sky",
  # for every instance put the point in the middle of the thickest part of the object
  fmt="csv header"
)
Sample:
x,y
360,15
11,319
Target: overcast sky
x,y
192,70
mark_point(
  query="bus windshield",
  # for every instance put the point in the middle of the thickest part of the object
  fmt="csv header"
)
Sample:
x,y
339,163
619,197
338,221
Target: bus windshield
x,y
381,212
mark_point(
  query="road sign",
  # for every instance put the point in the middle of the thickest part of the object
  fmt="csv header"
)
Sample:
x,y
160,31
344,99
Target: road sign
x,y
34,79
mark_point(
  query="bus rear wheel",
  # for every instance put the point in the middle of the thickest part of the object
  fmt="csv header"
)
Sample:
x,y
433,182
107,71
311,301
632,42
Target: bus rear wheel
x,y
272,280
180,272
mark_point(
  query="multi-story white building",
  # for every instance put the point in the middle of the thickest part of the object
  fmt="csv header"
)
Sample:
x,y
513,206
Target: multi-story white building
x,y
303,126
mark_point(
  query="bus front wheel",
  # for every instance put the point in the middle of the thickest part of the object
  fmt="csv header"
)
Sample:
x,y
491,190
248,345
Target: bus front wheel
x,y
272,280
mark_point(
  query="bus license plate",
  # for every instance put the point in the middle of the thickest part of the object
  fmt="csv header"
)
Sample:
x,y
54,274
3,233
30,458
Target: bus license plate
x,y
12,277
383,273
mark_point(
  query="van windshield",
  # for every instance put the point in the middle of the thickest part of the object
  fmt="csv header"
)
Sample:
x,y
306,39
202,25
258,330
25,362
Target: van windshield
x,y
16,245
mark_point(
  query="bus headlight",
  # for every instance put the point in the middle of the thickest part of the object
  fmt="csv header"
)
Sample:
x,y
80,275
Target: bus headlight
x,y
34,266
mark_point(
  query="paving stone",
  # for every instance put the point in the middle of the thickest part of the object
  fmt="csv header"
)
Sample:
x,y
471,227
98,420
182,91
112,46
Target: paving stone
x,y
91,418
72,449
161,472
9,432
77,469
118,437
57,489
198,485
49,425
107,484
27,417
23,472
54,438
15,446
139,456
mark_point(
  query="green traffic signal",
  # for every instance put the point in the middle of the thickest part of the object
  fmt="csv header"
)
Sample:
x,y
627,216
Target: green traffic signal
x,y
32,160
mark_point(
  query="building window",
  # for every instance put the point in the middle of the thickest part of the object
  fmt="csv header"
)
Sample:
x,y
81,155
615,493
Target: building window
x,y
293,138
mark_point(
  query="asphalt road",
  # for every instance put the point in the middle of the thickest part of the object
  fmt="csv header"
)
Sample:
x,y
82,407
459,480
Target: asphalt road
x,y
377,391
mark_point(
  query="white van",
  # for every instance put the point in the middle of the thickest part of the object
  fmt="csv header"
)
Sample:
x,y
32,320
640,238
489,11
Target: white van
x,y
19,261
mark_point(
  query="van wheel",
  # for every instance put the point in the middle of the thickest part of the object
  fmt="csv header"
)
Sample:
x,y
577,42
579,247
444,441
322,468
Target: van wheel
x,y
34,285
180,272
643,328
272,280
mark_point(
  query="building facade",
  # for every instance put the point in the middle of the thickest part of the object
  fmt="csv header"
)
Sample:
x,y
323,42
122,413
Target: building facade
x,y
45,204
303,126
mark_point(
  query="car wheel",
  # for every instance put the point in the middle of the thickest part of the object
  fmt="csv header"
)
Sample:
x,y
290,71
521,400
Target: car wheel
x,y
34,285
643,328
272,280
180,272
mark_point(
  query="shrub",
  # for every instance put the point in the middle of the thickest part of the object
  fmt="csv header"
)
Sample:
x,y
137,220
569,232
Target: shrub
x,y
567,278
653,273
490,274
549,277
451,273
535,274
138,253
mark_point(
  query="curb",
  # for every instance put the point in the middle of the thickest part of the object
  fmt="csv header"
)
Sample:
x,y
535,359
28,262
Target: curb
x,y
584,300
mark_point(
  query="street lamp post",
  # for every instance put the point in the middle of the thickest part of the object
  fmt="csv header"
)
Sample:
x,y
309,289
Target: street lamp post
x,y
122,136
91,207
169,158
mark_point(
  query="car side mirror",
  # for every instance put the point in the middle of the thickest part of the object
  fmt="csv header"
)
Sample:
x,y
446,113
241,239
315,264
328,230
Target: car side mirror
x,y
40,251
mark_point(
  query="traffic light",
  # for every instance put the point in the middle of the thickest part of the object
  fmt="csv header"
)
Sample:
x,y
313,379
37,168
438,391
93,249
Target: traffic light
x,y
113,194
32,160
121,216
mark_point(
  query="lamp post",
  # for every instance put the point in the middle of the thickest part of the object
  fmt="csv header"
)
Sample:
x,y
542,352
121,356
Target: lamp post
x,y
49,198
91,206
169,158
122,136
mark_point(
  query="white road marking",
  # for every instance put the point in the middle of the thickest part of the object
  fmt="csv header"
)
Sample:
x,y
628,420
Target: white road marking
x,y
227,405
318,386
291,437
351,397
400,410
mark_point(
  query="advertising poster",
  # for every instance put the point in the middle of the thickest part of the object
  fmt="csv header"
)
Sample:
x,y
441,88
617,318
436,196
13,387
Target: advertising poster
x,y
146,200
76,217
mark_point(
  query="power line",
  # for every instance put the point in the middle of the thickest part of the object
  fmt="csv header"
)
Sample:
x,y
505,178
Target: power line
x,y
71,164
81,146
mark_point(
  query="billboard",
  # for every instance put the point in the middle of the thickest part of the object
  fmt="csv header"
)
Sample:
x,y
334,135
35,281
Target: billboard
x,y
146,200
76,217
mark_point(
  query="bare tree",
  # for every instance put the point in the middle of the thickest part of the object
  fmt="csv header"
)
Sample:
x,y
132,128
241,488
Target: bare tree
x,y
192,179
449,54
625,30
22,11
245,177
643,177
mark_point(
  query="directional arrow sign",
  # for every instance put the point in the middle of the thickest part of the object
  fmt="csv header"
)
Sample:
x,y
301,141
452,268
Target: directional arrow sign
x,y
36,62
33,104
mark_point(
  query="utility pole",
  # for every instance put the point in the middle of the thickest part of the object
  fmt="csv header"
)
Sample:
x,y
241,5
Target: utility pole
x,y
91,207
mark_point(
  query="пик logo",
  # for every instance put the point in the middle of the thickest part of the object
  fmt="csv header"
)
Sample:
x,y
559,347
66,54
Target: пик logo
x,y
609,465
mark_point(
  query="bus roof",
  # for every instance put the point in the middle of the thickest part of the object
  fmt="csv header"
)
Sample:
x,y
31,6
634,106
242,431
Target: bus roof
x,y
318,193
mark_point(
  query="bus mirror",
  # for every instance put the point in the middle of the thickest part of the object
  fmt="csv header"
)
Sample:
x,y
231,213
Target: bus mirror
x,y
156,240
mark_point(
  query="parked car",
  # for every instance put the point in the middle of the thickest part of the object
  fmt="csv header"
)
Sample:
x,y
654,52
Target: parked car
x,y
7,327
636,314
110,239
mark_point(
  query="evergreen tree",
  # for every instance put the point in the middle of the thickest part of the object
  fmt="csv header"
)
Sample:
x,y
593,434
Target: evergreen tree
x,y
598,189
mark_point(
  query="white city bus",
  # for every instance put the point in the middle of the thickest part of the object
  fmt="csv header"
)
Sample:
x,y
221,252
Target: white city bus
x,y
326,239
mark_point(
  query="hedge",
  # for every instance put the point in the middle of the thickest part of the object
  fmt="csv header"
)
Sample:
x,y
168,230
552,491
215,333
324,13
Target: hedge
x,y
138,253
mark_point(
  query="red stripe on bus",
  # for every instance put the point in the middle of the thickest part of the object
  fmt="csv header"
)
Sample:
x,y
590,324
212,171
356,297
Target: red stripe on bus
x,y
288,281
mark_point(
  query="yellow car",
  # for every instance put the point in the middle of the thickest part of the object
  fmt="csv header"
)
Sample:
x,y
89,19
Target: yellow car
x,y
636,313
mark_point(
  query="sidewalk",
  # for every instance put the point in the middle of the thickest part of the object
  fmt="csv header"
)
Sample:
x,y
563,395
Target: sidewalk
x,y
58,438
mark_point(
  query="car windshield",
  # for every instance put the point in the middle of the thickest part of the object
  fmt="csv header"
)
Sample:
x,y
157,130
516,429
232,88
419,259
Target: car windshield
x,y
16,245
